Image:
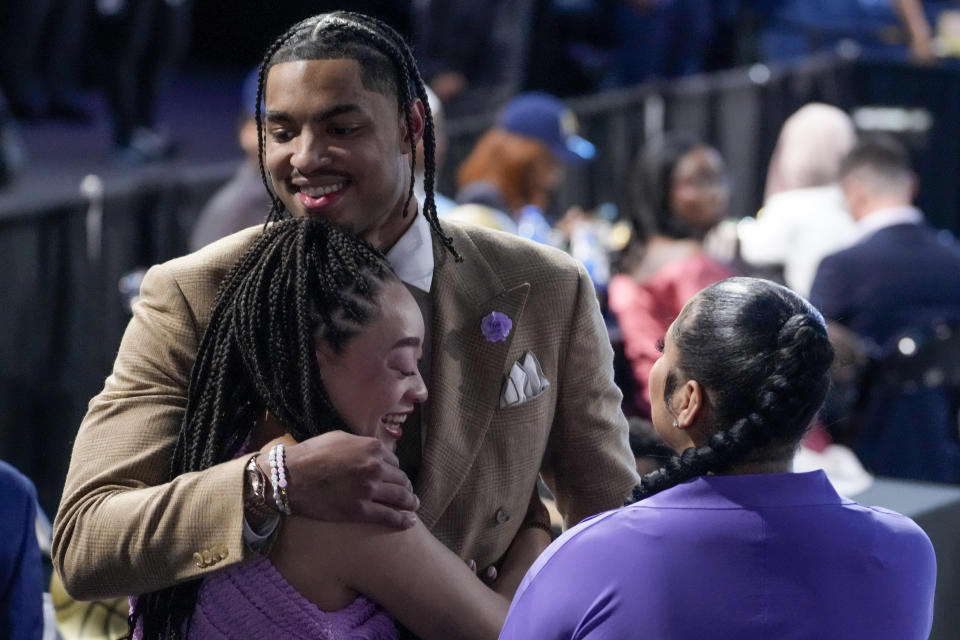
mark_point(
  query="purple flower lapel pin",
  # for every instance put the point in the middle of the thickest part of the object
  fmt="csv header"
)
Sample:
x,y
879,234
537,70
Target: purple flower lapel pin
x,y
496,326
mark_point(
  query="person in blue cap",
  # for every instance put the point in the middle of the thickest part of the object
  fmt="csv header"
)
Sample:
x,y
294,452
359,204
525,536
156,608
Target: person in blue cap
x,y
508,180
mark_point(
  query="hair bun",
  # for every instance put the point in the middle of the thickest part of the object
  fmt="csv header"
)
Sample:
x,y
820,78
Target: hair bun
x,y
804,337
801,328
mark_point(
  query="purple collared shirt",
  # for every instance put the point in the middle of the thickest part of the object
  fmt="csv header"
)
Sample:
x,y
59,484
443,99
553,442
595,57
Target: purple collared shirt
x,y
744,556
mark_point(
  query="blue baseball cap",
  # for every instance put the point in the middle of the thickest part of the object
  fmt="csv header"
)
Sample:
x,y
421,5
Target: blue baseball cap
x,y
545,118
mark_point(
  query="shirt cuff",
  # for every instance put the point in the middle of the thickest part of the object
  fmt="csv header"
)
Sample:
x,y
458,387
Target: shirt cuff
x,y
256,539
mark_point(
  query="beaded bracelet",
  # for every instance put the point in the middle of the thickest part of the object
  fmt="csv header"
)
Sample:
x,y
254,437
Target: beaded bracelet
x,y
278,478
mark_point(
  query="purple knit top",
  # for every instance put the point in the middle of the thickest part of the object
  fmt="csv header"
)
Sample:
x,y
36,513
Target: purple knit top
x,y
252,600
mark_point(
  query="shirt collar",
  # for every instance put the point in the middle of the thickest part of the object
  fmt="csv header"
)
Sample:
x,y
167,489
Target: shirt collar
x,y
883,218
749,491
412,255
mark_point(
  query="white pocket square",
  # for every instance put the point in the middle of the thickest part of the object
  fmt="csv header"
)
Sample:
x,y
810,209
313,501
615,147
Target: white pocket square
x,y
525,382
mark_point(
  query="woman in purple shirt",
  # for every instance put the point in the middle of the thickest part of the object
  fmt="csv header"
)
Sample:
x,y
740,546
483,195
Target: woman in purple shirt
x,y
725,541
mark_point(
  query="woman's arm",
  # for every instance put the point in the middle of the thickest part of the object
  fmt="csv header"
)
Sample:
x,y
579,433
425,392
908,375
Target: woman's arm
x,y
409,573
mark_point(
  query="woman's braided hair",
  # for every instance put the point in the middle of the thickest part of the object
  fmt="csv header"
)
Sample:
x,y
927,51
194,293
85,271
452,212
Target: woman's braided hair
x,y
387,66
301,281
762,356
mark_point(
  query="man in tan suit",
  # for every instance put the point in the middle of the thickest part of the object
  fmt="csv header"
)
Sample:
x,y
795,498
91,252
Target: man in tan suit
x,y
520,368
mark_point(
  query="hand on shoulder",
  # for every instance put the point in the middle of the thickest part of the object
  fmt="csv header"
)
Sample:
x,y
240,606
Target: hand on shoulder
x,y
341,477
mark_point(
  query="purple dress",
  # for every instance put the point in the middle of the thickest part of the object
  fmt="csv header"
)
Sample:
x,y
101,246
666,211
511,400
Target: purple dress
x,y
745,556
252,600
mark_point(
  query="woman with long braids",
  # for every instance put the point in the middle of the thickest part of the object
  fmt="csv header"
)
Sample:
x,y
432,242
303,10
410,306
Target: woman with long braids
x,y
313,328
725,541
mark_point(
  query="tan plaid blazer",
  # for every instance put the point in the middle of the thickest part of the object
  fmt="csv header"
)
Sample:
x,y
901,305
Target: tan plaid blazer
x,y
122,528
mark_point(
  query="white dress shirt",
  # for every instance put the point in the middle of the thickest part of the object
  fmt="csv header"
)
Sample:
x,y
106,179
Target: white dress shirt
x,y
412,255
883,218
797,229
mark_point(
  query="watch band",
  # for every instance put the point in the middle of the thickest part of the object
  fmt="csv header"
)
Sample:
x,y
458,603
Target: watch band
x,y
254,492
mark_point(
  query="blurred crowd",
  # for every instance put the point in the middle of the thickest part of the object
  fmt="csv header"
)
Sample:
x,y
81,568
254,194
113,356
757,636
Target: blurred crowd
x,y
837,226
55,51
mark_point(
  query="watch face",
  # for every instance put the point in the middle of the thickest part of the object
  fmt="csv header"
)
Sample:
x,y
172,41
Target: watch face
x,y
255,478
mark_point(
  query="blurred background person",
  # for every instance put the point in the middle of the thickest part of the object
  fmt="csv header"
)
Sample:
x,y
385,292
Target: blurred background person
x,y
472,54
791,29
12,155
804,216
242,202
662,38
900,277
516,166
144,41
680,192
21,578
41,58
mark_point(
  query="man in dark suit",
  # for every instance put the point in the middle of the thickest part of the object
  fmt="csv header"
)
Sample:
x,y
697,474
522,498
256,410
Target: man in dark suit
x,y
901,275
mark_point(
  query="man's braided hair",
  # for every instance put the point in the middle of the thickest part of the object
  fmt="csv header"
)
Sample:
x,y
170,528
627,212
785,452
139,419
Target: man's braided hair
x,y
761,354
387,66
301,281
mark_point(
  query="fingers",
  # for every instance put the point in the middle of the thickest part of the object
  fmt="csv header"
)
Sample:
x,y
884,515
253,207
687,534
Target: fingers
x,y
489,575
393,475
393,518
394,496
390,457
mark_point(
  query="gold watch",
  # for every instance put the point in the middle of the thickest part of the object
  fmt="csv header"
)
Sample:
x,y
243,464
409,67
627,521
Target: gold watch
x,y
254,491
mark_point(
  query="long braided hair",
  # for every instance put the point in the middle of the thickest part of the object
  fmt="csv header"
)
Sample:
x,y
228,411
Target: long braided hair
x,y
762,355
302,280
387,66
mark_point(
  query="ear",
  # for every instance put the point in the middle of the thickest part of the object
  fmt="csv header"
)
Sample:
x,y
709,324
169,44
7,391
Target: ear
x,y
687,403
852,194
418,119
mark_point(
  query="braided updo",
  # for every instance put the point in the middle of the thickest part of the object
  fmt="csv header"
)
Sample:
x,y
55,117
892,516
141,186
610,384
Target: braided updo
x,y
762,355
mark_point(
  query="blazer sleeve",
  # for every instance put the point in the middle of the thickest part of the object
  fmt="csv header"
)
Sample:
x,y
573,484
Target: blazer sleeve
x,y
588,464
122,527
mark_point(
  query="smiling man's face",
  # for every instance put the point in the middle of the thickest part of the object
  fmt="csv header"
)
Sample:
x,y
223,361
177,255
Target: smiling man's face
x,y
335,149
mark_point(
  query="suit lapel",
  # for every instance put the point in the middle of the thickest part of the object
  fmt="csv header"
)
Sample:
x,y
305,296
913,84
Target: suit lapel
x,y
467,370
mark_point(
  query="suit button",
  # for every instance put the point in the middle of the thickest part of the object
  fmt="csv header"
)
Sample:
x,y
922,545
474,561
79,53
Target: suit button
x,y
198,559
207,556
223,552
502,516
